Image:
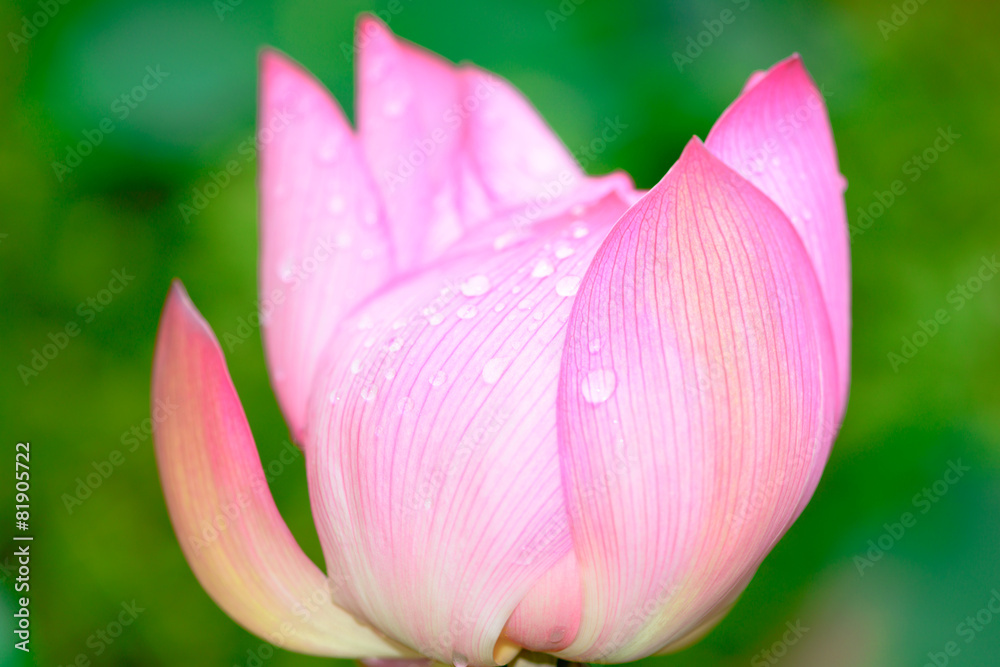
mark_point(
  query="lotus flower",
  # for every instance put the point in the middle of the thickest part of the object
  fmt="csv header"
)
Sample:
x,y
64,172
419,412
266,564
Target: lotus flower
x,y
539,410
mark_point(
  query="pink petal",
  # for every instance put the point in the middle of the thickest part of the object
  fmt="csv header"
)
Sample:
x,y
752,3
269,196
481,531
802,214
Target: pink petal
x,y
435,479
777,135
229,528
548,617
324,244
449,146
697,377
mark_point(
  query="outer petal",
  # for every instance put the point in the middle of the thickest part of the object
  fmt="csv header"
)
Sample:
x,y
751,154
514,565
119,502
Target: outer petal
x,y
698,373
449,146
228,526
436,479
324,244
777,135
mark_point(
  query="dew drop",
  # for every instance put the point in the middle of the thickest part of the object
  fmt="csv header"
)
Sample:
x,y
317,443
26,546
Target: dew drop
x,y
438,379
595,346
598,386
563,251
366,322
525,304
396,345
336,204
542,269
394,108
333,397
435,319
568,286
405,405
578,210
286,272
516,289
390,373
328,150
504,240
579,231
467,312
475,286
497,308
369,393
493,370
355,366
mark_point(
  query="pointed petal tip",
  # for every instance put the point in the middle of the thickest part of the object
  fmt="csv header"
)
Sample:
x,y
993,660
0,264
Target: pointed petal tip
x,y
179,311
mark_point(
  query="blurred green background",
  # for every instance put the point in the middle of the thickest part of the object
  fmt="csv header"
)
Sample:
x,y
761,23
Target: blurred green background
x,y
896,75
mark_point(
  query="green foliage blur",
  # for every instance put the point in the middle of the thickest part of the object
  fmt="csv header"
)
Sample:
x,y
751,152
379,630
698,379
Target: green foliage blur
x,y
896,76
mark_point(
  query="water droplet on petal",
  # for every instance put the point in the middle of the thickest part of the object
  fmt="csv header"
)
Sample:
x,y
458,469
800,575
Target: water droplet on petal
x,y
396,345
394,107
435,319
579,231
366,322
578,210
405,404
595,346
286,271
598,386
336,204
467,312
355,366
497,308
438,379
493,370
390,373
476,286
516,289
333,397
568,286
542,269
328,149
504,240
563,250
369,393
